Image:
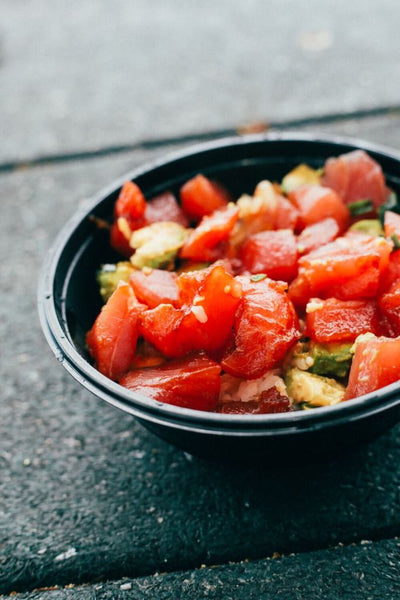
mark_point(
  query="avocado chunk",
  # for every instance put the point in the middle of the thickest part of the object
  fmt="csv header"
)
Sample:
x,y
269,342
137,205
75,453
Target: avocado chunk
x,y
333,359
368,226
157,245
255,212
312,390
109,276
189,266
301,175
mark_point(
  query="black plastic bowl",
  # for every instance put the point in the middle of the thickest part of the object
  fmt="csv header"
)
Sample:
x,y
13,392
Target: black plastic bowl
x,y
69,302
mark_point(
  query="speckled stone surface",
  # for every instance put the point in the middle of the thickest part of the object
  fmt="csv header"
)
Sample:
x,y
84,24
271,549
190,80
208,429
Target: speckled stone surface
x,y
87,495
342,572
91,504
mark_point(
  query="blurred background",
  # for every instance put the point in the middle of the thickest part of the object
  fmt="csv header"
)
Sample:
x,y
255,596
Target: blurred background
x,y
92,74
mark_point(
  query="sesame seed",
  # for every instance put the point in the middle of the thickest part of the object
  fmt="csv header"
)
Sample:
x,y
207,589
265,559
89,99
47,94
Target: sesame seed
x,y
200,314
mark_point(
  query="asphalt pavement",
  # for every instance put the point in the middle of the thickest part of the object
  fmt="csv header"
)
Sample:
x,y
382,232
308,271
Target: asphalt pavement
x,y
91,504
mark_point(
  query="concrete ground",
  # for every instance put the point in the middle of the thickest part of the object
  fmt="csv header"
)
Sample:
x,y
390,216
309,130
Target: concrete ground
x,y
91,504
86,75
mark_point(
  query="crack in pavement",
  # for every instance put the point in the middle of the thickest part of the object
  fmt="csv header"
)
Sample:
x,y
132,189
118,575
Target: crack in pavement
x,y
151,144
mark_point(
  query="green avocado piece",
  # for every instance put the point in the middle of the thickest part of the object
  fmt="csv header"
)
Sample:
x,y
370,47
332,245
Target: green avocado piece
x,y
190,266
368,226
157,245
300,175
333,359
311,389
109,276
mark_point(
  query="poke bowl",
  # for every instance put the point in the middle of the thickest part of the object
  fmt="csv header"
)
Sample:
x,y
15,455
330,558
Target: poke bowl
x,y
207,413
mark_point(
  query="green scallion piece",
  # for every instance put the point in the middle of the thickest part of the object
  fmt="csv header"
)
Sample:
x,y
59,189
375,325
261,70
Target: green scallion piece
x,y
360,207
258,277
396,241
306,406
392,204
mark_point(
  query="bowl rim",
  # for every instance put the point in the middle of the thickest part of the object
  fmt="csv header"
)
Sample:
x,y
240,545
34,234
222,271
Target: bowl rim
x,y
156,411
